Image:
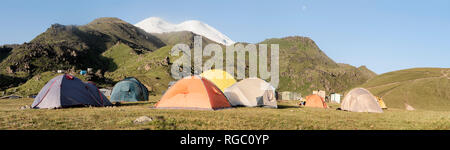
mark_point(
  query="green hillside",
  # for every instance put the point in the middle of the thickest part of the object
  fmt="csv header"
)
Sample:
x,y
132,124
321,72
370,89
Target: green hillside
x,y
34,85
421,88
151,69
65,47
304,67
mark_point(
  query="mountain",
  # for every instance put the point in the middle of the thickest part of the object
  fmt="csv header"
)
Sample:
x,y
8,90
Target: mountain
x,y
79,47
304,67
158,25
118,49
421,88
70,47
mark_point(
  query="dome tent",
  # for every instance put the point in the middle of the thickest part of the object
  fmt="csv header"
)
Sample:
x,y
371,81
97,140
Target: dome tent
x,y
315,101
220,78
68,91
129,90
193,92
381,103
251,92
360,100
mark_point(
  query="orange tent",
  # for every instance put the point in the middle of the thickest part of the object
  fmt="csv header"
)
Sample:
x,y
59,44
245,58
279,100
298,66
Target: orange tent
x,y
315,101
193,92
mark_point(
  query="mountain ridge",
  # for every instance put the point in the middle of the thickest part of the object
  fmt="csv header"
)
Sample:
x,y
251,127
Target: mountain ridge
x,y
304,67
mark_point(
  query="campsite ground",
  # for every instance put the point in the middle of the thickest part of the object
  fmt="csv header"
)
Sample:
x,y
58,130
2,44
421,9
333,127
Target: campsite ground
x,y
288,117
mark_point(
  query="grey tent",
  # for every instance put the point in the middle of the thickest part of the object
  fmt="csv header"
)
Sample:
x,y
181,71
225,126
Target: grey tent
x,y
251,92
360,100
106,92
129,90
268,99
68,91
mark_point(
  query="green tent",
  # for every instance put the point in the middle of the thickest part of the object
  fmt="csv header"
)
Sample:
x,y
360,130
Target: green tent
x,y
129,90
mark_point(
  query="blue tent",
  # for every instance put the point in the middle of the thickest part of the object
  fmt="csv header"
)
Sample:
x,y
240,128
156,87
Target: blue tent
x,y
129,90
68,91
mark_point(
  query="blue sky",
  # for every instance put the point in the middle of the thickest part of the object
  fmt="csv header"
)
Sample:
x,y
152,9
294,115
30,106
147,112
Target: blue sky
x,y
384,35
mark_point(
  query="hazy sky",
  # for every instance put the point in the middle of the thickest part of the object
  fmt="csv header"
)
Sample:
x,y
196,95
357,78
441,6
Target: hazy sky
x,y
384,35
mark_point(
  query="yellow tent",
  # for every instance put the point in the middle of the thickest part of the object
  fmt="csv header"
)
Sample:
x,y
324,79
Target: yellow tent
x,y
381,103
220,78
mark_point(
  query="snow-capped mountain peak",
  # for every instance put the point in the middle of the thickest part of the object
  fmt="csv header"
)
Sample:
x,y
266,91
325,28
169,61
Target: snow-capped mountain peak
x,y
158,25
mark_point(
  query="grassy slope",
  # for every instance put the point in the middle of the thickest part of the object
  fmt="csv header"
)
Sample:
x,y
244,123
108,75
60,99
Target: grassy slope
x,y
149,68
289,116
34,85
422,88
304,67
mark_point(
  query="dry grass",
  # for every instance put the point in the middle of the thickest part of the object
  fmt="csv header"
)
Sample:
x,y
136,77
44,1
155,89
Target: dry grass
x,y
422,88
288,117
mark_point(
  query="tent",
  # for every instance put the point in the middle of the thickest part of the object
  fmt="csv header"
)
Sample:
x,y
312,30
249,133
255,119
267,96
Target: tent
x,y
315,101
360,100
381,103
321,93
336,98
248,92
67,91
220,78
193,92
409,107
106,92
268,99
286,95
129,90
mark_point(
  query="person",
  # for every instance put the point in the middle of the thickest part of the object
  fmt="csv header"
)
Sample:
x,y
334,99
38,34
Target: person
x,y
302,103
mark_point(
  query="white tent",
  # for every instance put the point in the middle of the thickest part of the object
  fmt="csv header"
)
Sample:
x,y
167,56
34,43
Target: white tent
x,y
336,98
251,92
360,100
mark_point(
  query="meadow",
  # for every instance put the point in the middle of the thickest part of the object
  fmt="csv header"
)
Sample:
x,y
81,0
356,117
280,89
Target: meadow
x,y
289,116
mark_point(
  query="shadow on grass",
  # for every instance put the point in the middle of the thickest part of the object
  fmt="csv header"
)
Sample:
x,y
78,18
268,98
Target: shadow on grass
x,y
119,104
287,106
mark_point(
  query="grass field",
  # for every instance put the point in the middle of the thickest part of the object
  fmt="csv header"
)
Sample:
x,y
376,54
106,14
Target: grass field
x,y
421,88
288,117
